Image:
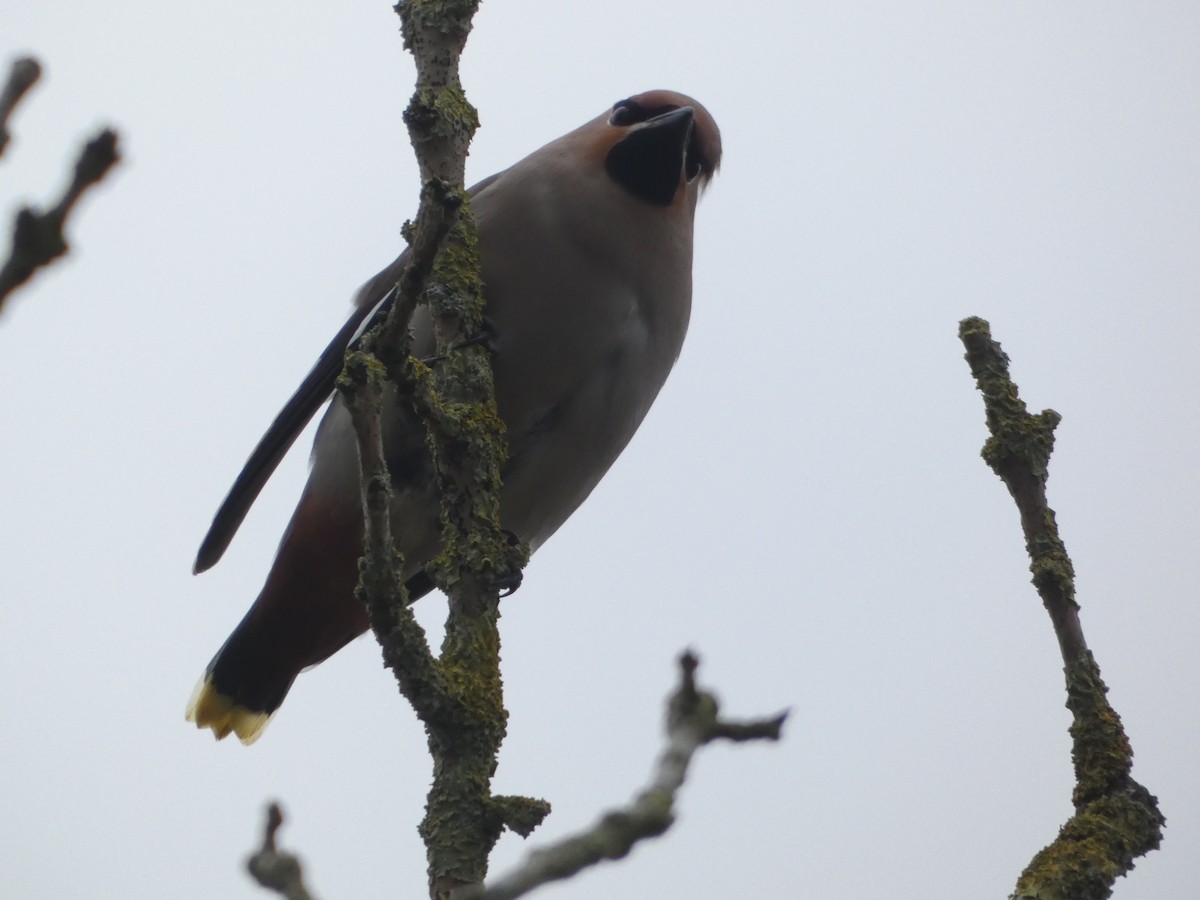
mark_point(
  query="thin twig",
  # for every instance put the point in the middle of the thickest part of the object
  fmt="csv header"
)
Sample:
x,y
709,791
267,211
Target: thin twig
x,y
38,237
1116,819
273,869
692,722
1019,452
25,71
381,578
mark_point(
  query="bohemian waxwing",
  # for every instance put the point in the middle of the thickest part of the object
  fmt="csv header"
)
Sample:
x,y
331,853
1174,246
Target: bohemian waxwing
x,y
586,247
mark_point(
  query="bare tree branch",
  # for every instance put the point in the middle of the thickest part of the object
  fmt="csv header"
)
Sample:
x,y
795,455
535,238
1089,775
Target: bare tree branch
x,y
381,581
458,694
692,722
38,237
273,869
1116,819
23,74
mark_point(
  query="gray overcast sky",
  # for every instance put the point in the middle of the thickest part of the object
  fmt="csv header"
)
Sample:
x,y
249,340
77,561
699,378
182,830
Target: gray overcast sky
x,y
805,505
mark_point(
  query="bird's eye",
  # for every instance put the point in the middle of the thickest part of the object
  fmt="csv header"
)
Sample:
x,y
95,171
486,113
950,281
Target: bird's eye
x,y
623,114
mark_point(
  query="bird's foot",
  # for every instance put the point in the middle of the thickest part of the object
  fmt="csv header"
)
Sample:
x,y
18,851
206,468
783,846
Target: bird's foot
x,y
485,336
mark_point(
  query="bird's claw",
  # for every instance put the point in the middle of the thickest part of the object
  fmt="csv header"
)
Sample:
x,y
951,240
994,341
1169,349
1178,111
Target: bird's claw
x,y
508,584
484,336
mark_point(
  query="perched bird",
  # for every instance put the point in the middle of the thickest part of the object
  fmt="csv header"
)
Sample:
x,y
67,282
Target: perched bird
x,y
586,249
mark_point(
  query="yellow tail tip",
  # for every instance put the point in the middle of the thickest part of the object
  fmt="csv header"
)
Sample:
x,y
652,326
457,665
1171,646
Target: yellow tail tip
x,y
209,708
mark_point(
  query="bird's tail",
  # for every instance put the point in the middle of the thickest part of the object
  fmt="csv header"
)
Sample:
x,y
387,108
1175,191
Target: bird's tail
x,y
306,612
209,708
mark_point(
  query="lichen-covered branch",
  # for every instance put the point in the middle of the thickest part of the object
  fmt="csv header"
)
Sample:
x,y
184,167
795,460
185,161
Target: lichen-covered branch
x,y
38,237
1018,451
272,868
458,694
381,580
1116,819
692,722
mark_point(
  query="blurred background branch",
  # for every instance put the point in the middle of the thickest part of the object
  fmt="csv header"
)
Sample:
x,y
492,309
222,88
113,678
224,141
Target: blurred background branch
x,y
272,868
38,238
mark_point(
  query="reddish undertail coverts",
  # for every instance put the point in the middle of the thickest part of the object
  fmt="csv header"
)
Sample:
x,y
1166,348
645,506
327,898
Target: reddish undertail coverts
x,y
586,246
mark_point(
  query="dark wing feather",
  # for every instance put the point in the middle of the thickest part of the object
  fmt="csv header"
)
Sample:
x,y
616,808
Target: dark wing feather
x,y
370,305
296,413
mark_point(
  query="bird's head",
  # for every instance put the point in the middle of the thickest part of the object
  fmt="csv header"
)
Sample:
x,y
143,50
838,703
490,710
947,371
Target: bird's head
x,y
658,143
660,147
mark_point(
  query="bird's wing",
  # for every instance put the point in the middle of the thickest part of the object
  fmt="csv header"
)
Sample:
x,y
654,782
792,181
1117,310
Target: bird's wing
x,y
370,305
296,413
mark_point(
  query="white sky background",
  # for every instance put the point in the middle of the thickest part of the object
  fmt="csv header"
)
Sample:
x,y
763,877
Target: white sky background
x,y
805,506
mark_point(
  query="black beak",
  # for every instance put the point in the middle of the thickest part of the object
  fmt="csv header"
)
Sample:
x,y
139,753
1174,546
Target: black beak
x,y
648,161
